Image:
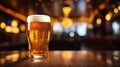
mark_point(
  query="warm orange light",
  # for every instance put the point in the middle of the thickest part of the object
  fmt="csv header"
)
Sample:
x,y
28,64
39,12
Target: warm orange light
x,y
99,57
88,0
12,57
90,19
108,16
14,23
109,61
66,10
2,61
67,22
15,30
118,7
3,25
102,6
13,13
96,11
115,10
66,55
83,18
89,26
8,29
22,27
98,21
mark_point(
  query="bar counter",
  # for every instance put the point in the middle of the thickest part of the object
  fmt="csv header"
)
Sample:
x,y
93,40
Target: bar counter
x,y
83,58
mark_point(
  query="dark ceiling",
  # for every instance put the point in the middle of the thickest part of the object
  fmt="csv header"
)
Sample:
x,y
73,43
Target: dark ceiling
x,y
54,7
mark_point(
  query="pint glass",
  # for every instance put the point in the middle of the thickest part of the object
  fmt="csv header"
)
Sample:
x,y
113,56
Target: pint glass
x,y
38,35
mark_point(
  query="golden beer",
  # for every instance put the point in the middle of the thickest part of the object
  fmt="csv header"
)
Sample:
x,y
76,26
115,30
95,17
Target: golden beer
x,y
38,35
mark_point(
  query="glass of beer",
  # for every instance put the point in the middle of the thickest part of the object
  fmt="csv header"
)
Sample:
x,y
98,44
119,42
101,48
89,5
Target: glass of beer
x,y
38,35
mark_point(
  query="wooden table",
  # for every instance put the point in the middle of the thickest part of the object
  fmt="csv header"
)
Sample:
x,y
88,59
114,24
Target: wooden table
x,y
62,59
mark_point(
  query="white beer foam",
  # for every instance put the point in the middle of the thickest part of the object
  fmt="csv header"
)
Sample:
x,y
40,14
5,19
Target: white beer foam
x,y
38,18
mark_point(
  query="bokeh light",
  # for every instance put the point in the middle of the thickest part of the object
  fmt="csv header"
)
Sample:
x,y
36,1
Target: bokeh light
x,y
8,29
71,34
15,30
22,27
82,29
115,10
118,7
99,21
115,26
89,26
108,16
67,22
57,28
3,25
14,23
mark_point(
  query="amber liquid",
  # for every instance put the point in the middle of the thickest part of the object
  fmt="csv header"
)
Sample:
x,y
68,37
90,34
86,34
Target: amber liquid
x,y
38,35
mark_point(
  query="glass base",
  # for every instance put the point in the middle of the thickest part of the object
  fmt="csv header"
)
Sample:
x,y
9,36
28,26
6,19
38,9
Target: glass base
x,y
38,56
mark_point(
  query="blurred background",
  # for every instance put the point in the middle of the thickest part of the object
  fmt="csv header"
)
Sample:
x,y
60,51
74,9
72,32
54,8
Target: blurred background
x,y
76,24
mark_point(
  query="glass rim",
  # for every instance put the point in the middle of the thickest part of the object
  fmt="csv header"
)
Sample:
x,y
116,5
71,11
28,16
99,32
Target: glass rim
x,y
38,18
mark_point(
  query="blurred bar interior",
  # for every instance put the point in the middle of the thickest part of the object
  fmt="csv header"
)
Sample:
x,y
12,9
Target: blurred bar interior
x,y
76,24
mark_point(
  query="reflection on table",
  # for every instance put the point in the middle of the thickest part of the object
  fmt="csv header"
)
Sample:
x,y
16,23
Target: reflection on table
x,y
84,58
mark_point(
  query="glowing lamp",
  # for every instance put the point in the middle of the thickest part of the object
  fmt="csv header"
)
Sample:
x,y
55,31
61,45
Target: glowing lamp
x,y
66,10
67,22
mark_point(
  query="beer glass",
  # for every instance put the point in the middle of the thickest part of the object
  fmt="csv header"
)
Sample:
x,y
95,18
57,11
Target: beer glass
x,y
38,35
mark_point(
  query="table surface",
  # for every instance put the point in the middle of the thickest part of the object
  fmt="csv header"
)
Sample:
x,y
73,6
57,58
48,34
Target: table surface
x,y
84,58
